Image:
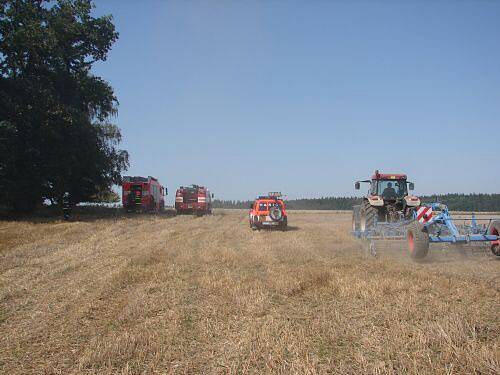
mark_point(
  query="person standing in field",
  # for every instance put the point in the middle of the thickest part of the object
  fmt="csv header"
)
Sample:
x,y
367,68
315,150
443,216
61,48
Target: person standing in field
x,y
66,206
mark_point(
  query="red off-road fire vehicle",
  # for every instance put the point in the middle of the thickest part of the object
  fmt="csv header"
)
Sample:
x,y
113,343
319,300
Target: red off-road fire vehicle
x,y
269,211
193,199
142,194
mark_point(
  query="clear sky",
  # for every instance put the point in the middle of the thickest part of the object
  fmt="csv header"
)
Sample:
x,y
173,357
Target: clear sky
x,y
308,96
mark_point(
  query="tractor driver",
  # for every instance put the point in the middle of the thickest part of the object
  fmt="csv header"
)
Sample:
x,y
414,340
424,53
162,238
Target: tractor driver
x,y
389,192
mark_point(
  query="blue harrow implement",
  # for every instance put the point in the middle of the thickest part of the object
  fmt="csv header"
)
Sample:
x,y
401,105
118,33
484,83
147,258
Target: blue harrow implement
x,y
433,223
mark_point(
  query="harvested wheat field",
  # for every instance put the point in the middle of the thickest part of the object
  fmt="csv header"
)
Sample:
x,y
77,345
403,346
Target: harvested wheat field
x,y
160,294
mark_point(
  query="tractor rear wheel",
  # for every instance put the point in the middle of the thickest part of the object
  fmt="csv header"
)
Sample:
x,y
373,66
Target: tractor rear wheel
x,y
355,218
495,230
368,215
418,240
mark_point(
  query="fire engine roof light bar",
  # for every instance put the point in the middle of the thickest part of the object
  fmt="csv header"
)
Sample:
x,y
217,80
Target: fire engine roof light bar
x,y
134,179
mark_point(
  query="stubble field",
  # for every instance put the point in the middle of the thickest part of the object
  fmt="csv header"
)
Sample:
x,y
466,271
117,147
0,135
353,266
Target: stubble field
x,y
160,294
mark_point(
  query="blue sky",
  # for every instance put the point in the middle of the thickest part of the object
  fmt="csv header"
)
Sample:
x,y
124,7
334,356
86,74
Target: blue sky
x,y
308,96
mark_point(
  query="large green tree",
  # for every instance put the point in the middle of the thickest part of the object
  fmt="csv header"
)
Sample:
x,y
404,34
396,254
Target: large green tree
x,y
55,130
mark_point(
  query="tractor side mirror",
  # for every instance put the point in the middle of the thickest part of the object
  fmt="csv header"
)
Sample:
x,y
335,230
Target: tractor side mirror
x,y
213,195
411,186
357,186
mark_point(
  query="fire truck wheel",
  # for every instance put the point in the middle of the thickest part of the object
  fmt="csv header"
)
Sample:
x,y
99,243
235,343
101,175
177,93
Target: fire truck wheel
x,y
495,230
418,240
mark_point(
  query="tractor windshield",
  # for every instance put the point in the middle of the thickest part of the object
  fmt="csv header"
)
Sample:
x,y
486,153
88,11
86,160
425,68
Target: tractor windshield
x,y
391,189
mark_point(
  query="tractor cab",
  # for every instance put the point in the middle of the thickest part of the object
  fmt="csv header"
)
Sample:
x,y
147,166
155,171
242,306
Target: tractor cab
x,y
390,190
388,199
381,183
390,187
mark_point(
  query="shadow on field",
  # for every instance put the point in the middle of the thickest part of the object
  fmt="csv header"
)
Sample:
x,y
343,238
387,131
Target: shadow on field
x,y
80,214
438,254
276,229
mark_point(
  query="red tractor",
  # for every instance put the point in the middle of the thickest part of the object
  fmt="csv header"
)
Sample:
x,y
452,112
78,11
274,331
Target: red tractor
x,y
388,200
142,194
193,199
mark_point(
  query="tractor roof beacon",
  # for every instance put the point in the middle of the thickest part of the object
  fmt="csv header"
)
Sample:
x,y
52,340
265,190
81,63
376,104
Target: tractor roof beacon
x,y
268,211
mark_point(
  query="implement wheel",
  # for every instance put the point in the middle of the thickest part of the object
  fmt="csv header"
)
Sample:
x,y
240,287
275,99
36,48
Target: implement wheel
x,y
495,230
418,240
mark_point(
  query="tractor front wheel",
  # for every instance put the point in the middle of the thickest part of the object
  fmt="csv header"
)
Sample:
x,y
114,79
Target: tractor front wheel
x,y
418,240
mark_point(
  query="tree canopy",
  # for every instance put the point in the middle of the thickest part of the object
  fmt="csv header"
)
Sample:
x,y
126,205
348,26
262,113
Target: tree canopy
x,y
55,129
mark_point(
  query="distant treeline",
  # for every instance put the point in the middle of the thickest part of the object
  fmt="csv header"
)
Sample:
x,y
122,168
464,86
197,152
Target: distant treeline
x,y
455,202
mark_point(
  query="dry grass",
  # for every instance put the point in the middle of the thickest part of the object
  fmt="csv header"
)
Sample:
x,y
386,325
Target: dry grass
x,y
207,295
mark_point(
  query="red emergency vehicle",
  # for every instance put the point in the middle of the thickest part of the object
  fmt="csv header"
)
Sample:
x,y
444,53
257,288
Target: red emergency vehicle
x,y
142,194
269,211
193,199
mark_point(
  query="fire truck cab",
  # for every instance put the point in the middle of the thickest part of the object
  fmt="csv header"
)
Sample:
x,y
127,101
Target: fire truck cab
x,y
193,199
142,194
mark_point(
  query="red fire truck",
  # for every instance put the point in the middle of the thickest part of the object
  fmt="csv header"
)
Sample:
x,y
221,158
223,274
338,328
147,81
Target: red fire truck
x,y
193,199
142,194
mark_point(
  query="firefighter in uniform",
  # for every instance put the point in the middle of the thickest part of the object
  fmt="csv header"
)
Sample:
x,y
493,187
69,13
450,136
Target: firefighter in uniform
x,y
66,206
